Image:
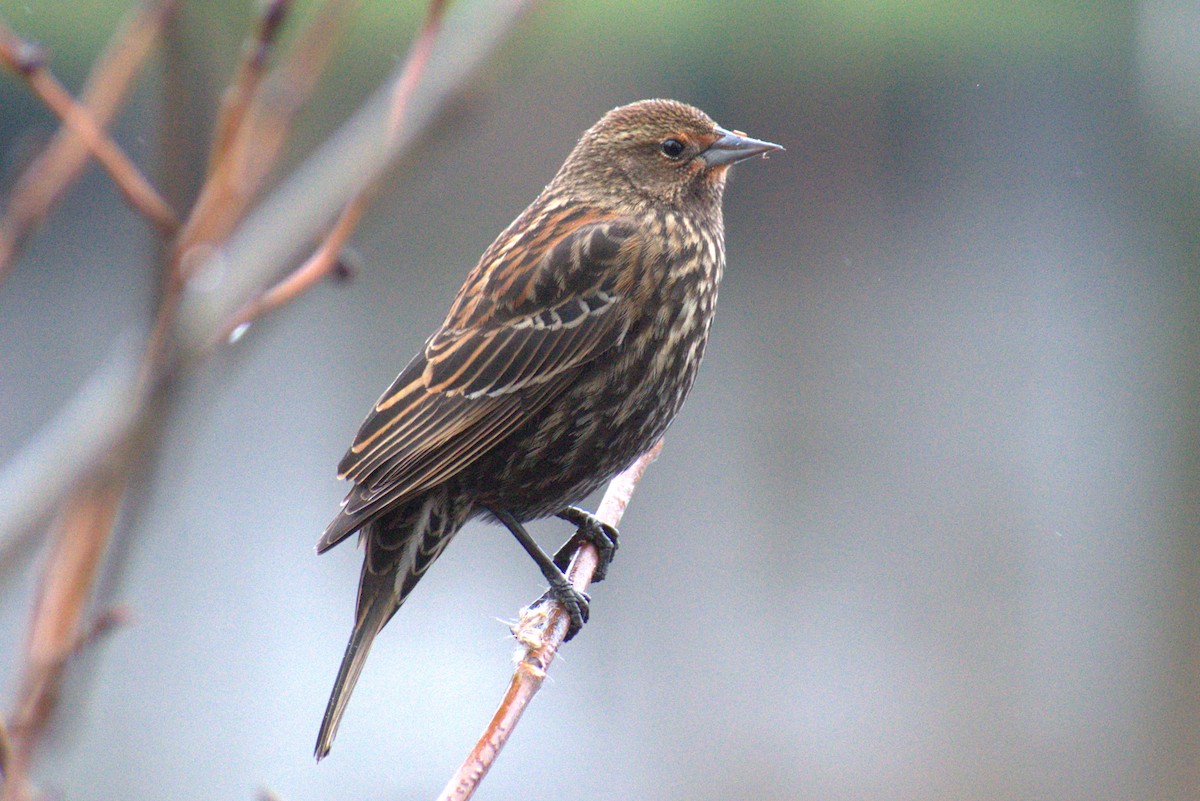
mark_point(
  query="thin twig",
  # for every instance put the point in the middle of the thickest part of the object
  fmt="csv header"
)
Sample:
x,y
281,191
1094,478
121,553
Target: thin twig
x,y
304,277
28,61
274,232
67,641
325,257
248,147
48,176
541,631
250,71
414,66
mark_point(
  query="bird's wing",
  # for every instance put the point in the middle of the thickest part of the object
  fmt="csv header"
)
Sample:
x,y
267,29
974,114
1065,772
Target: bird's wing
x,y
472,385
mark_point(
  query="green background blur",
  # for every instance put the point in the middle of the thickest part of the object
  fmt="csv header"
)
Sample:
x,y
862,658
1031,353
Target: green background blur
x,y
926,529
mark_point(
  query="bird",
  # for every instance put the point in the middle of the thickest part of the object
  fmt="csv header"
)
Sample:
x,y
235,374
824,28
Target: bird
x,y
568,350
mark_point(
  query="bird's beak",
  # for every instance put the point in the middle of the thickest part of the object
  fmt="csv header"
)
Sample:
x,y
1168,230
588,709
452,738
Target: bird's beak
x,y
732,147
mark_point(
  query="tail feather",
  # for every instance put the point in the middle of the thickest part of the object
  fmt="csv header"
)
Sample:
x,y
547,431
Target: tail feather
x,y
400,547
370,622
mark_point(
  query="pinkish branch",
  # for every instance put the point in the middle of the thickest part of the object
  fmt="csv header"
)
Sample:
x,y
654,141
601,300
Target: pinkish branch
x,y
541,631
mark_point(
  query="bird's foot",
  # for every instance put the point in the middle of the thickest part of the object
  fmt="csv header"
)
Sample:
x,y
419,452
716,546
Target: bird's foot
x,y
576,604
589,528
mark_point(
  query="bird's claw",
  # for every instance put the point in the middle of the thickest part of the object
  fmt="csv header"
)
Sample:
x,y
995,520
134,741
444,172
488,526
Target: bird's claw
x,y
589,528
576,604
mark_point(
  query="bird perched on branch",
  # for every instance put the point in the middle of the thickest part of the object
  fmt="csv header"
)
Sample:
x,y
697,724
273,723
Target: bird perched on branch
x,y
563,358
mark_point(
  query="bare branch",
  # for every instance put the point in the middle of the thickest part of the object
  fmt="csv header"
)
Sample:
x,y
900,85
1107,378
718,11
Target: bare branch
x,y
220,260
49,656
82,464
319,264
82,534
28,61
111,406
541,631
250,71
300,209
254,130
326,255
48,176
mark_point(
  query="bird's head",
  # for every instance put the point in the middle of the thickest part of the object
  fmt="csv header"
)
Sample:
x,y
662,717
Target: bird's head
x,y
663,150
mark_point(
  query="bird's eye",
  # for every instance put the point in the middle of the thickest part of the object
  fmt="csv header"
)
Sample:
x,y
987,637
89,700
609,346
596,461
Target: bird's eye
x,y
672,148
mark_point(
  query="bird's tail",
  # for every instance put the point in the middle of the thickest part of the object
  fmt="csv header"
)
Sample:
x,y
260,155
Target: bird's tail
x,y
370,621
400,547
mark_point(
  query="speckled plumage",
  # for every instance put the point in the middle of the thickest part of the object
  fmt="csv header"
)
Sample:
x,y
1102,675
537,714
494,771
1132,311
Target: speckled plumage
x,y
566,354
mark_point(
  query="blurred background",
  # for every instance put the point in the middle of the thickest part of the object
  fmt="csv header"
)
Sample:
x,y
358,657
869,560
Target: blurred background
x,y
927,527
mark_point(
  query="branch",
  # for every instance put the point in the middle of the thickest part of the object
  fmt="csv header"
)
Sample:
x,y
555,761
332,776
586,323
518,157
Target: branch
x,y
541,630
323,260
82,464
49,175
28,61
325,257
249,75
115,403
253,130
56,629
365,146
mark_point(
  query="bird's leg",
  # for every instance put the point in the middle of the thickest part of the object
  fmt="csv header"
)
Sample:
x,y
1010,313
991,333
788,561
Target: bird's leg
x,y
589,528
574,601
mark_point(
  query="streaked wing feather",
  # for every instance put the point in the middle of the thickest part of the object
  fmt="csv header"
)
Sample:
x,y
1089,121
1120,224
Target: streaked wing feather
x,y
433,416
432,467
470,387
529,350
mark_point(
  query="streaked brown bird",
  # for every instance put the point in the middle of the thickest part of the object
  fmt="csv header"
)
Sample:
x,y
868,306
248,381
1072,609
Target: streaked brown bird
x,y
564,357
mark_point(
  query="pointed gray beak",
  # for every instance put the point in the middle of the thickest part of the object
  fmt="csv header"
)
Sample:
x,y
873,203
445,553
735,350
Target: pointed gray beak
x,y
734,147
